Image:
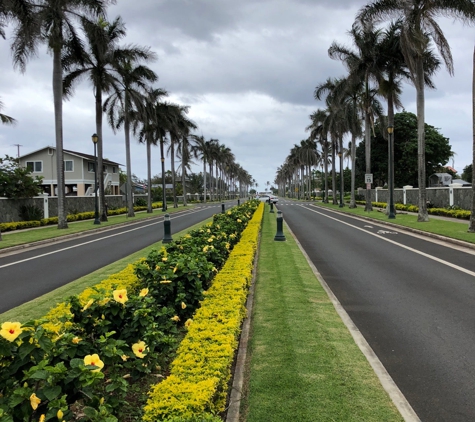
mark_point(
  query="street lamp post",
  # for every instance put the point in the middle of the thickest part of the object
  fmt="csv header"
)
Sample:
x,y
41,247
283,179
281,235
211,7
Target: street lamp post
x,y
95,138
392,211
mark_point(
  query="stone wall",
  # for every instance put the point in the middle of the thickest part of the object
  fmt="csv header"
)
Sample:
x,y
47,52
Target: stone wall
x,y
10,208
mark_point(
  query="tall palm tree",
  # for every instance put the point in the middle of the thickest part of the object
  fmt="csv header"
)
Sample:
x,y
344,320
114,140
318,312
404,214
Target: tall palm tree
x,y
418,28
144,126
128,100
363,65
53,22
185,154
200,150
471,227
97,63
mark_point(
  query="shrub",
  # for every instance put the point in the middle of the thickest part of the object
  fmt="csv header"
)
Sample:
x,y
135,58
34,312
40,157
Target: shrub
x,y
30,213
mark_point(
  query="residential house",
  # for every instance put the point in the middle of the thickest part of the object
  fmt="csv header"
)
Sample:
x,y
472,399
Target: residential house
x,y
78,172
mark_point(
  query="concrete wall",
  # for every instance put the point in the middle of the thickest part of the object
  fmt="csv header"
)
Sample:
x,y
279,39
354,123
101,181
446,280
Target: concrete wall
x,y
438,197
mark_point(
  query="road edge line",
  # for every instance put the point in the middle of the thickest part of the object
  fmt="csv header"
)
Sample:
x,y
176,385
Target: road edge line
x,y
397,397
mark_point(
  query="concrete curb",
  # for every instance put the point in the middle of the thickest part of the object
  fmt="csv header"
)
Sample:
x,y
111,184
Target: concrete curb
x,y
403,406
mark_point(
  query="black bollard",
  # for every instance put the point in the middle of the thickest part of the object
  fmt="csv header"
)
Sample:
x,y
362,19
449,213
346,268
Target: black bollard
x,y
239,202
167,235
279,236
272,207
222,208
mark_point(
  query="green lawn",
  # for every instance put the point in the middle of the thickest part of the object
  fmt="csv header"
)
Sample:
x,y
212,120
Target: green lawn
x,y
304,364
21,237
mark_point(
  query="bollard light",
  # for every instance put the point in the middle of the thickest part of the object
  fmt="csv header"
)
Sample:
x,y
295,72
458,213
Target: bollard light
x,y
279,236
222,208
239,202
271,208
167,234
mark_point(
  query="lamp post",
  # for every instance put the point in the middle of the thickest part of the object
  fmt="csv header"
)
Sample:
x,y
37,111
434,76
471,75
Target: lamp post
x,y
392,211
342,183
95,138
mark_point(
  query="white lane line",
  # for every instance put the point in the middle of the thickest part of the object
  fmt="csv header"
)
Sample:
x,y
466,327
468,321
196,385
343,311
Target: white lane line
x,y
449,264
84,243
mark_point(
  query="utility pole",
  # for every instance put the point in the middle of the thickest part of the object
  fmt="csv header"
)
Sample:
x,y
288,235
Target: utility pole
x,y
18,149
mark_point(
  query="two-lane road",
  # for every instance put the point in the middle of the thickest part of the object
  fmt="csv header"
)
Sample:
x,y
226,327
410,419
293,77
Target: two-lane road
x,y
30,273
412,298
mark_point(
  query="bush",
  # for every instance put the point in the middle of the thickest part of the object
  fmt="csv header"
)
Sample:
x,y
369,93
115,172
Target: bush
x,y
30,213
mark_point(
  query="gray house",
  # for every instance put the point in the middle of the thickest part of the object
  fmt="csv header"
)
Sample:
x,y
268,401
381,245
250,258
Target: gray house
x,y
78,172
438,180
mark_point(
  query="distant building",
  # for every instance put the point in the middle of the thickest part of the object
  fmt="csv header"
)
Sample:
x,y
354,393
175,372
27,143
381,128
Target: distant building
x,y
78,172
438,180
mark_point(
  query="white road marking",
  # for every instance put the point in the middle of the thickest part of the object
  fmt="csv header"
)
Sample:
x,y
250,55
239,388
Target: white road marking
x,y
449,264
86,243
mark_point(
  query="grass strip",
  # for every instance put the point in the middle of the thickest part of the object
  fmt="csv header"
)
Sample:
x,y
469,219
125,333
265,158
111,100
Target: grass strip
x,y
40,306
454,229
21,237
304,364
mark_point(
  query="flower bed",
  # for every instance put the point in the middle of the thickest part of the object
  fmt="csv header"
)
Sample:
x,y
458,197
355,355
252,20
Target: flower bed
x,y
197,386
79,361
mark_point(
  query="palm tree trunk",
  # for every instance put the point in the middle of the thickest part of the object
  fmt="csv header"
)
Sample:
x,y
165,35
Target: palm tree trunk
x,y
149,176
334,199
130,199
367,133
204,179
353,172
58,123
183,171
325,162
423,216
162,160
471,227
172,163
100,154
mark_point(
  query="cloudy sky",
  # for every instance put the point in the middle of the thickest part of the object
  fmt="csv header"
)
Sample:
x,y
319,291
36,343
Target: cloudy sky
x,y
246,68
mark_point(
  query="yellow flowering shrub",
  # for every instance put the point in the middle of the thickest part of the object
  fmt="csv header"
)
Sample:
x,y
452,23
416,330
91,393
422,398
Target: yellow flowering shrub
x,y
200,374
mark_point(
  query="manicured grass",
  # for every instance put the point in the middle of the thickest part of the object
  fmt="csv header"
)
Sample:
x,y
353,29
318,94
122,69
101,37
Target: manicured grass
x,y
38,307
20,237
456,229
304,364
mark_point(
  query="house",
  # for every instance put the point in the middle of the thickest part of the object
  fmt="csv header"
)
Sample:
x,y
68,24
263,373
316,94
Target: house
x,y
445,179
78,172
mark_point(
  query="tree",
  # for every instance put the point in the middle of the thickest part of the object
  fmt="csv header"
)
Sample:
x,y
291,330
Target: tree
x,y
127,102
438,152
16,181
6,120
52,22
418,28
467,173
97,63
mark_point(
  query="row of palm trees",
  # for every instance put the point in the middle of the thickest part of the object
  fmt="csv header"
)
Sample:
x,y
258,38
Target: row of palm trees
x,y
85,45
382,58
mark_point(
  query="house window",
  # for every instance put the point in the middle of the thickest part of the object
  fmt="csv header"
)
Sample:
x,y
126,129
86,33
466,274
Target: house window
x,y
114,169
90,167
35,166
68,165
104,169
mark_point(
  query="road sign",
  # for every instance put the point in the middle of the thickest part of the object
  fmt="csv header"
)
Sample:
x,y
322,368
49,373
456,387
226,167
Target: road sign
x,y
368,185
368,178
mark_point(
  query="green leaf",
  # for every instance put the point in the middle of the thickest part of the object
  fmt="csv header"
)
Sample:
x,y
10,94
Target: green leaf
x,y
52,392
40,375
90,412
25,350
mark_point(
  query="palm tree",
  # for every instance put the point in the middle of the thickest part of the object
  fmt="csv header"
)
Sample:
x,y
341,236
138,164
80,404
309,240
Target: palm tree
x,y
97,63
363,65
53,22
418,28
6,120
471,227
200,150
185,153
129,100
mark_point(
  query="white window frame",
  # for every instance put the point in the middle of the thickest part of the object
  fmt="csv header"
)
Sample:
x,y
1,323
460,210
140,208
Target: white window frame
x,y
90,165
72,165
35,163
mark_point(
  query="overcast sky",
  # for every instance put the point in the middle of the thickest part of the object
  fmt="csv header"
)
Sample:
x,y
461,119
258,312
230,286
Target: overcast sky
x,y
246,68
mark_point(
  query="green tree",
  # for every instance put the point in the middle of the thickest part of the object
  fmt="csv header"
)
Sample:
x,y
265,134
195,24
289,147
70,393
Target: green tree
x,y
16,181
418,29
6,120
467,173
438,152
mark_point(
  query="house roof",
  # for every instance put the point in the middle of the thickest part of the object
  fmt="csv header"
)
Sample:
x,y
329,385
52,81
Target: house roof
x,y
75,153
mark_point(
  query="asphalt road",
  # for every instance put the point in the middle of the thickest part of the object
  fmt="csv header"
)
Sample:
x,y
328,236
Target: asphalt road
x,y
413,300
30,273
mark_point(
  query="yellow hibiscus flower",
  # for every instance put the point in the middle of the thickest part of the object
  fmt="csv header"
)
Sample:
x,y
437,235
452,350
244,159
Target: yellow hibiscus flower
x,y
120,295
76,340
34,401
42,418
143,292
94,360
139,348
11,330
176,318
183,305
88,304
188,322
60,415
